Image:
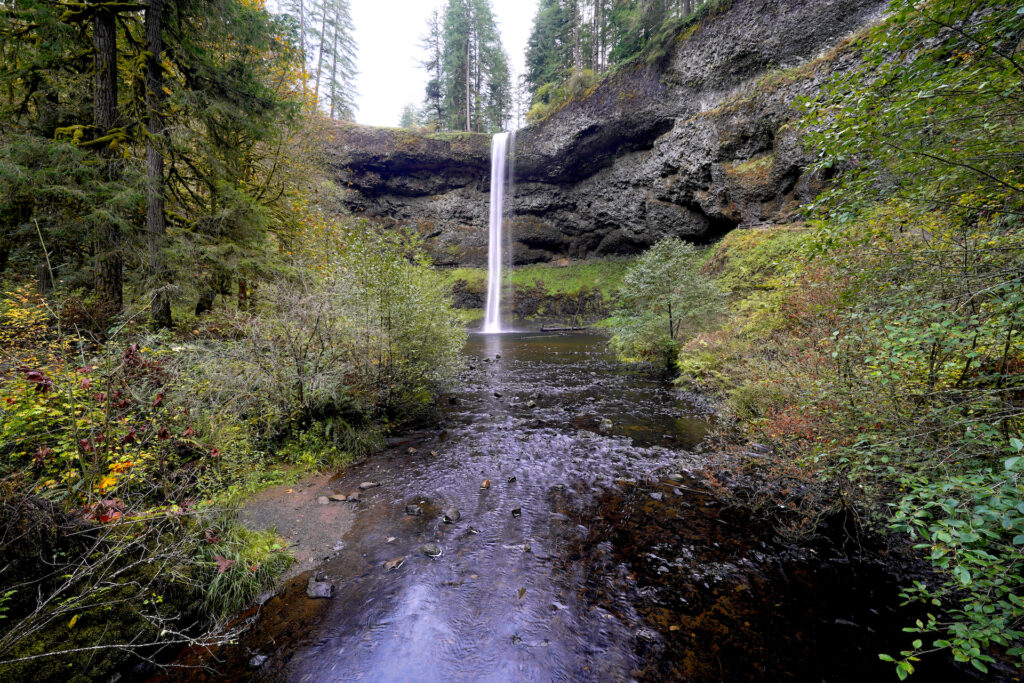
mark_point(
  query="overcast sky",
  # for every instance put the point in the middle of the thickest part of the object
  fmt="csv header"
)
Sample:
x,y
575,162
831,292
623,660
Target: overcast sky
x,y
388,33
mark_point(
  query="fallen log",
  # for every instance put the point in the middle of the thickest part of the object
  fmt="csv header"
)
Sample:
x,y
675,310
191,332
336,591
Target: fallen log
x,y
562,329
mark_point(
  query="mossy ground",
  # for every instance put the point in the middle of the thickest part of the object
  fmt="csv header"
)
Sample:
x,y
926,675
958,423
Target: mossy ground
x,y
603,275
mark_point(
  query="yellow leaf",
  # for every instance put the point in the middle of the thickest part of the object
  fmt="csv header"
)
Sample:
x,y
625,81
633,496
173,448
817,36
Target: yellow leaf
x,y
74,620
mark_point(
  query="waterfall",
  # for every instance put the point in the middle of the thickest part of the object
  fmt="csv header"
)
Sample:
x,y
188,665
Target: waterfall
x,y
502,182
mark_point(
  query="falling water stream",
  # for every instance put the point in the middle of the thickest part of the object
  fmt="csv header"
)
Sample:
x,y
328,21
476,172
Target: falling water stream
x,y
502,185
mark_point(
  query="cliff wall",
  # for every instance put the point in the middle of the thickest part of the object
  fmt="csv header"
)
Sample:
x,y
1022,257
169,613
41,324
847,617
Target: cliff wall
x,y
692,146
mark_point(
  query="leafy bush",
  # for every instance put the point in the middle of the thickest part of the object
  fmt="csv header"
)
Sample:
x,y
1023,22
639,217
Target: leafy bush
x,y
663,298
364,333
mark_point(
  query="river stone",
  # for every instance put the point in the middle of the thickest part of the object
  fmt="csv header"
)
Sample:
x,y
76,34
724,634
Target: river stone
x,y
512,479
517,512
452,515
658,496
323,500
367,485
413,510
431,550
258,661
339,498
498,394
353,497
319,589
531,404
676,477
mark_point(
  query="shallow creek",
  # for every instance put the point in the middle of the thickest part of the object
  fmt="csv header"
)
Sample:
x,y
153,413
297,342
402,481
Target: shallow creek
x,y
593,555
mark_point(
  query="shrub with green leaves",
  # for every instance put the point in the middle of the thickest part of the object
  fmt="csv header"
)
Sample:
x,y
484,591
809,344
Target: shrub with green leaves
x,y
663,299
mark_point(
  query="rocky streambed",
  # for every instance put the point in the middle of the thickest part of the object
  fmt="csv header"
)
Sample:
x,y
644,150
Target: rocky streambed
x,y
556,528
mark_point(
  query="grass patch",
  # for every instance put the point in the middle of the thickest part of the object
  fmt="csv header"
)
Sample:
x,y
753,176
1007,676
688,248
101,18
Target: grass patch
x,y
604,275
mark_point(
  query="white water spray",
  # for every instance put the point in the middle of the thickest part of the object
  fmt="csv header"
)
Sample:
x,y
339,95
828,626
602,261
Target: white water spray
x,y
502,149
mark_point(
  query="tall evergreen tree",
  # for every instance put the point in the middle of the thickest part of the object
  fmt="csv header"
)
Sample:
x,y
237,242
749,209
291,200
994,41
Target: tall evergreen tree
x,y
432,43
333,37
474,68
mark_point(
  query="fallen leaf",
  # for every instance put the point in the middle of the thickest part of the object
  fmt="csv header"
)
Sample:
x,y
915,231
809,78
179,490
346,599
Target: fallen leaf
x,y
74,620
394,564
223,564
522,592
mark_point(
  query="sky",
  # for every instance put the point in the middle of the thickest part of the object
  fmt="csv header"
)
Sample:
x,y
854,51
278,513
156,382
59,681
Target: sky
x,y
388,33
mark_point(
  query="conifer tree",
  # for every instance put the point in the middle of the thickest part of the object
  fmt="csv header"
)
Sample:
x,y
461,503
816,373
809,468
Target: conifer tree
x,y
432,43
474,68
335,47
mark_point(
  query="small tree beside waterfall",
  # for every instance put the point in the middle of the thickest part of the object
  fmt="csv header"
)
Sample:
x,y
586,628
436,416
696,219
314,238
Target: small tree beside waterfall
x,y
663,297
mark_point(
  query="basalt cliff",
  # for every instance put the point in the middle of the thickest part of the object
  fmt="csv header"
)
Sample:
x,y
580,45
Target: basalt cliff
x,y
693,145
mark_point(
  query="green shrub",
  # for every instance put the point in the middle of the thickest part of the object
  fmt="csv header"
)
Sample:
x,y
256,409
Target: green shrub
x,y
664,299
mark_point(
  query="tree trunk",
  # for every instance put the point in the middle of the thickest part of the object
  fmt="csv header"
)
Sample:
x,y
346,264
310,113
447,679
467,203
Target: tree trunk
x,y
108,236
334,62
320,56
156,224
243,294
45,279
469,118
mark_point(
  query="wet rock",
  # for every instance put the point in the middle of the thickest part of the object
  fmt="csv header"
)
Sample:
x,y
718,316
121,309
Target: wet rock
x,y
323,500
647,635
517,512
498,394
451,515
431,550
512,479
367,485
497,357
257,661
485,484
319,590
414,510
677,492
353,497
658,496
531,404
339,498
676,477
394,564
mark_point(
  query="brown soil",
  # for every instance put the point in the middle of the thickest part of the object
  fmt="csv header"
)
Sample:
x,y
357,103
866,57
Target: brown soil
x,y
312,530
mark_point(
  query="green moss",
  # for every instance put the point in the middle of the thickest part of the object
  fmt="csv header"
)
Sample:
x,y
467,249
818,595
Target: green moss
x,y
604,275
754,169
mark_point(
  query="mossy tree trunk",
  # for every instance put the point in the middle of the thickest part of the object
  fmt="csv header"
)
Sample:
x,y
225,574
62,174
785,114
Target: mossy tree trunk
x,y
156,223
109,266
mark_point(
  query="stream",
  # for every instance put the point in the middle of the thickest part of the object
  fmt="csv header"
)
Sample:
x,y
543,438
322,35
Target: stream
x,y
594,554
